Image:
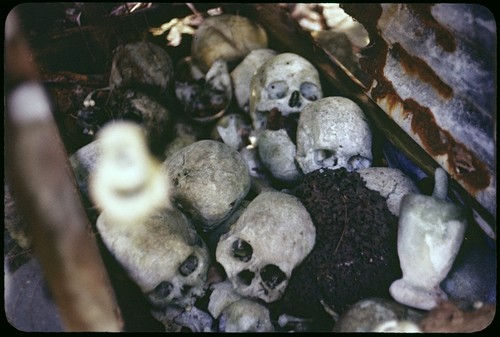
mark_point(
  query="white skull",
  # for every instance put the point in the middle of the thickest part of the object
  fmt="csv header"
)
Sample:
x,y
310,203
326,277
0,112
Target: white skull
x,y
223,294
287,82
333,133
226,37
272,236
210,179
391,183
235,313
242,75
277,152
234,130
142,64
369,315
246,315
164,255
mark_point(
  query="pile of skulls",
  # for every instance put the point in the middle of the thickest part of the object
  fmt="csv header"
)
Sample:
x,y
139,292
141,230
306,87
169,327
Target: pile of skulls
x,y
178,203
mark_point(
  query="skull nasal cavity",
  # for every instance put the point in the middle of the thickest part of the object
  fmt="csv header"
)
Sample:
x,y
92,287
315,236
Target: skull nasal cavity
x,y
162,290
185,290
242,250
188,266
272,275
325,158
294,101
246,276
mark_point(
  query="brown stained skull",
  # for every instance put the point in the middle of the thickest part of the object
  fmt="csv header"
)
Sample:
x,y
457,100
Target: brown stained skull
x,y
272,236
164,255
141,65
226,37
210,179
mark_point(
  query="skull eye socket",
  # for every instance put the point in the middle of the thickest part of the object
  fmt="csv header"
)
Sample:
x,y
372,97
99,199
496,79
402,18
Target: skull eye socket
x,y
188,266
358,162
325,158
162,290
272,275
277,89
242,250
310,91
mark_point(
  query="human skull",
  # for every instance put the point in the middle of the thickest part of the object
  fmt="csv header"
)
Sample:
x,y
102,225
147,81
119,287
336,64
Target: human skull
x,y
242,75
223,294
272,236
207,99
332,133
141,65
234,130
163,254
277,152
287,82
368,314
391,183
235,313
210,179
226,37
245,315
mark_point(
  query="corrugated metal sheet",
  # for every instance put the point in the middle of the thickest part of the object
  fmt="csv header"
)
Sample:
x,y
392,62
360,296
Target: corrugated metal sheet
x,y
432,69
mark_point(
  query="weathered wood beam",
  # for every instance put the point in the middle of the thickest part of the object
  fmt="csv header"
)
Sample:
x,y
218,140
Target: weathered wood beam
x,y
88,48
46,195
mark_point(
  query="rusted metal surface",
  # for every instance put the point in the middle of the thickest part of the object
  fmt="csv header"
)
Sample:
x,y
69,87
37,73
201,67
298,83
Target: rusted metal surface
x,y
457,132
432,70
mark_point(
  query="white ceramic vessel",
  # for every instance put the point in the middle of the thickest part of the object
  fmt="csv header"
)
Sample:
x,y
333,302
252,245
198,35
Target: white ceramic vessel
x,y
430,233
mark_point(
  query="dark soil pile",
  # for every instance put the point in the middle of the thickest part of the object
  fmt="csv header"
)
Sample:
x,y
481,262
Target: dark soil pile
x,y
355,255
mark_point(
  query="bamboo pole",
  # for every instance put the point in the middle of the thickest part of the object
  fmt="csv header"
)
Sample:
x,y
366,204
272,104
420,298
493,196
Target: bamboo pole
x,y
46,195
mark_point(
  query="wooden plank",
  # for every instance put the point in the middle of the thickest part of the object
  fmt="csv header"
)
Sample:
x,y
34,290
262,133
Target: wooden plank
x,y
46,195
